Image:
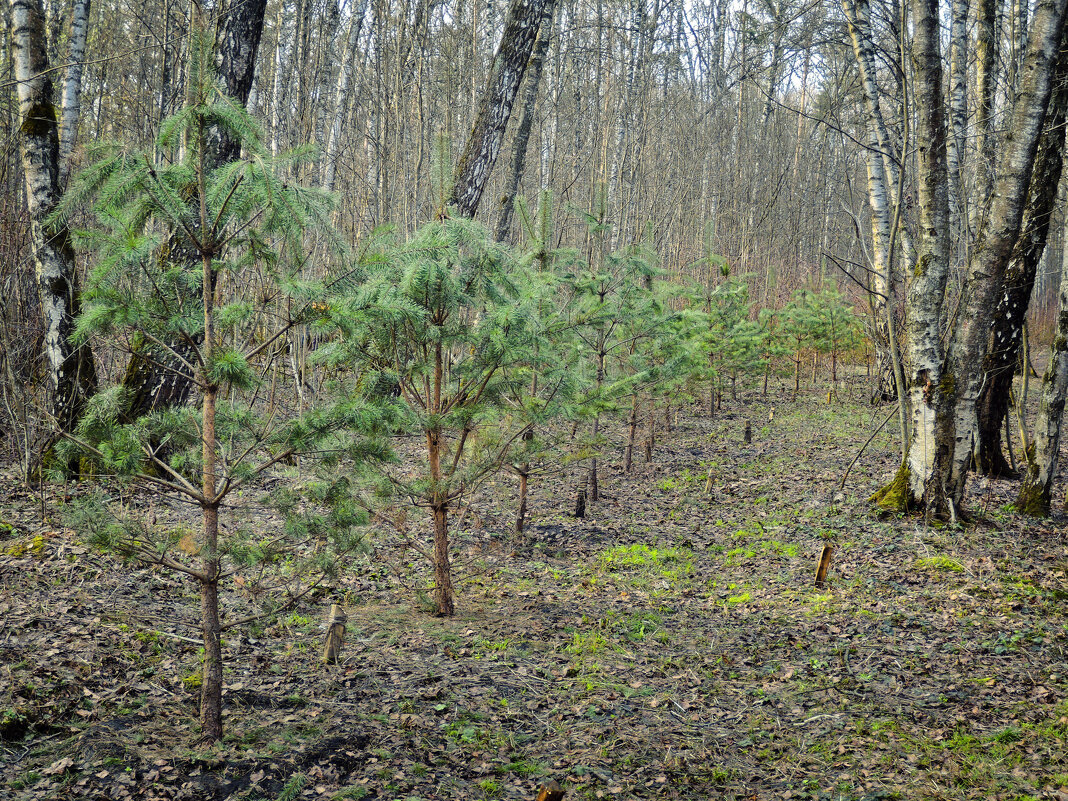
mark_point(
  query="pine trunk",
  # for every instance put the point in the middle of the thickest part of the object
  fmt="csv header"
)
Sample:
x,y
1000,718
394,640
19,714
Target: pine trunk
x,y
443,594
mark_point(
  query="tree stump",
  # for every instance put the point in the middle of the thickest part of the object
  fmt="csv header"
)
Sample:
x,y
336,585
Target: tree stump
x,y
580,503
335,634
748,435
824,564
550,791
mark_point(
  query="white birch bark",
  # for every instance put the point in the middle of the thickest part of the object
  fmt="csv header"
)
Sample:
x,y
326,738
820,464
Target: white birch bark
x,y
341,95
1034,495
506,73
858,16
958,115
71,369
998,235
927,288
283,56
72,87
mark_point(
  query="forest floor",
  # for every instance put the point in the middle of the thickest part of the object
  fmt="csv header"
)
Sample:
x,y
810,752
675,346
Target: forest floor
x,y
670,645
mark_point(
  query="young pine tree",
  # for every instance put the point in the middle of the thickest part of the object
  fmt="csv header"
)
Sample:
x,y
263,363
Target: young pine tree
x,y
173,241
443,331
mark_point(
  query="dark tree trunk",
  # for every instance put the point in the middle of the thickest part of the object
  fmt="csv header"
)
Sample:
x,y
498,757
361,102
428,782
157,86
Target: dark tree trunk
x,y
238,31
157,378
1009,315
506,74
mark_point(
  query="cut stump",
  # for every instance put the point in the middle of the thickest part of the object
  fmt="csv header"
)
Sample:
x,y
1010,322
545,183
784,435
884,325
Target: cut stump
x,y
335,634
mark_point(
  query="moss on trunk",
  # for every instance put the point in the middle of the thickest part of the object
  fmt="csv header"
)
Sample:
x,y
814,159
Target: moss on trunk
x,y
1033,499
894,497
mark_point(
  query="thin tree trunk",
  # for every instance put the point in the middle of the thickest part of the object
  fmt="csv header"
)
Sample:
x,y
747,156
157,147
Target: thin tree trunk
x,y
958,116
211,685
526,124
650,440
72,86
986,66
72,371
341,96
632,434
521,512
443,592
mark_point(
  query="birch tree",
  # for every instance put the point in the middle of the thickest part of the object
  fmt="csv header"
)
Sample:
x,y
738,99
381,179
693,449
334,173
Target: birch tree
x,y
506,74
71,369
944,385
1006,334
72,86
1034,493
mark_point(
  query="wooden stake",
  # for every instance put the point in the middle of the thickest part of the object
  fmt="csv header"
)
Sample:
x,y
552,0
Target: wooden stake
x,y
824,565
335,634
550,791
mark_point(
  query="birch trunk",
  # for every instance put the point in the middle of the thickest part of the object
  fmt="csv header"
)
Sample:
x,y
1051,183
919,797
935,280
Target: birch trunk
x,y
858,16
1012,303
917,481
526,124
72,86
1034,495
71,369
487,134
986,58
341,96
997,237
958,115
283,57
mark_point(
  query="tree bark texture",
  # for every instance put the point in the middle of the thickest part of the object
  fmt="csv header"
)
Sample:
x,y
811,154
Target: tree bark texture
x,y
72,372
1006,334
998,235
506,73
239,27
986,66
526,124
72,86
944,387
958,115
1034,494
927,288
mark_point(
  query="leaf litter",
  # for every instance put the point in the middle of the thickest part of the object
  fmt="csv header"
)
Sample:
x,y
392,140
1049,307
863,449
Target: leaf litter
x,y
670,645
